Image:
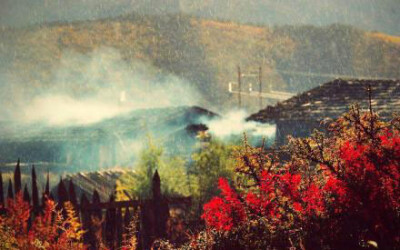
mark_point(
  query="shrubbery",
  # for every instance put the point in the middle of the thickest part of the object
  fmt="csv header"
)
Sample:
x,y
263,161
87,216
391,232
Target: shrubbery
x,y
172,171
337,191
210,162
50,230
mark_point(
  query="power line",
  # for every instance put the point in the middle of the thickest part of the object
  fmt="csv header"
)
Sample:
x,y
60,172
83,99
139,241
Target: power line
x,y
278,95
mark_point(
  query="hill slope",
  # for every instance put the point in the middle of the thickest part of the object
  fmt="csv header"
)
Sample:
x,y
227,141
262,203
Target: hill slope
x,y
382,15
205,53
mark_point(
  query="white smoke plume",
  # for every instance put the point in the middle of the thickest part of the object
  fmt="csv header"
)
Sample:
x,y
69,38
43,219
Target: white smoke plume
x,y
87,88
234,124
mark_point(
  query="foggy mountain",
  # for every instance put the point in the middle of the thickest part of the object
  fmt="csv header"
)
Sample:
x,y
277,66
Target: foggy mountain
x,y
380,15
156,57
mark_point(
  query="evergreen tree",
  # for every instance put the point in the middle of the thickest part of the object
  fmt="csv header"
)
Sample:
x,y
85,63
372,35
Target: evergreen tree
x,y
10,193
1,190
35,191
27,197
17,178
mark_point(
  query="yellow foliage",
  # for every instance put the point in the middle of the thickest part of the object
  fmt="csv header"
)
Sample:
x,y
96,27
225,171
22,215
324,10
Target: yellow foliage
x,y
72,226
386,37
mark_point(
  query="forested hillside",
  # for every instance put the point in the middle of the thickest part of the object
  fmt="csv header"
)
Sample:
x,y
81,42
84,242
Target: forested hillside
x,y
205,53
382,15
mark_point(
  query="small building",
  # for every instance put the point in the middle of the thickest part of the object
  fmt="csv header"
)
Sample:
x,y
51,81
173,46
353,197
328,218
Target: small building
x,y
301,114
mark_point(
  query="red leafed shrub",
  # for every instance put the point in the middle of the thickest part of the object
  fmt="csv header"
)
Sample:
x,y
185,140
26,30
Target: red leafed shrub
x,y
339,190
18,230
227,212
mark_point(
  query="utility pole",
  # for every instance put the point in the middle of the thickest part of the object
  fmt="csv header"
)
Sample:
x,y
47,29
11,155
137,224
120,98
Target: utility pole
x,y
254,93
240,87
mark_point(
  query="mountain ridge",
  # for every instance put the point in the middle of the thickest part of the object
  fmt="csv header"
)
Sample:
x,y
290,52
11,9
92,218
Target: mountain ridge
x,y
371,15
204,52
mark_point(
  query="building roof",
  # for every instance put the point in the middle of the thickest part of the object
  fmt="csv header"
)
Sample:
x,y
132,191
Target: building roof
x,y
139,121
86,182
332,99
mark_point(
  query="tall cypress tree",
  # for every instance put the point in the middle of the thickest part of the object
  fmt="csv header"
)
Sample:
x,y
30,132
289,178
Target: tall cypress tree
x,y
1,191
62,194
17,178
10,194
35,191
46,194
72,194
47,188
27,197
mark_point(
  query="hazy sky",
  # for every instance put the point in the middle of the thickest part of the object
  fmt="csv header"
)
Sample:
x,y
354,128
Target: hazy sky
x,y
382,15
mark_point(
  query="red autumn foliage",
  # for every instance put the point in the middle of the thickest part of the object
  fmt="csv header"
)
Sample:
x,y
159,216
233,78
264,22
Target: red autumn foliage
x,y
340,190
227,212
50,230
